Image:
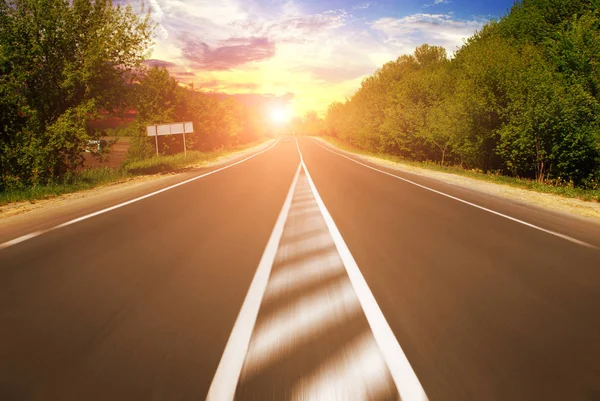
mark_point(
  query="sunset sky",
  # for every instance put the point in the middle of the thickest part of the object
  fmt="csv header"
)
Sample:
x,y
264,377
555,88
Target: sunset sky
x,y
307,53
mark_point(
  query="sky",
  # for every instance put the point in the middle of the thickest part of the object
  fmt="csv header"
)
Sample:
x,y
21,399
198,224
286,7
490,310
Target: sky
x,y
303,53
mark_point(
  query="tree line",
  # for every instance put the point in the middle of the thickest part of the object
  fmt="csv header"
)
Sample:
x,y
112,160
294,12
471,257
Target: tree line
x,y
67,63
218,123
521,98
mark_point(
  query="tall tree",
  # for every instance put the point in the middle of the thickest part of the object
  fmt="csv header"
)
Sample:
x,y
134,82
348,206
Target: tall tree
x,y
61,62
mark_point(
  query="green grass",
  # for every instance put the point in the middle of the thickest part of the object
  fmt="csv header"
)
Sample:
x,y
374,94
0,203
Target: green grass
x,y
86,179
161,164
532,185
95,177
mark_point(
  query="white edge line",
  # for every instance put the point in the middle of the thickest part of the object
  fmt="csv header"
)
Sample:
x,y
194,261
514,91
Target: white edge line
x,y
20,239
108,209
228,372
406,380
563,236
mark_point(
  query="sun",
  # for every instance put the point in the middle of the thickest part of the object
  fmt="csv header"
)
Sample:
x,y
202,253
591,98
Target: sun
x,y
280,115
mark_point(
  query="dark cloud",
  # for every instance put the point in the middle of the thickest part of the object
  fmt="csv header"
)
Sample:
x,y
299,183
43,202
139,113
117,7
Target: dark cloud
x,y
159,63
232,52
185,74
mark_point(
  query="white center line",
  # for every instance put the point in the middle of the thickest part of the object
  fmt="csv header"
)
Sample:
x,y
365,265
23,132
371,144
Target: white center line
x,y
406,380
310,270
356,373
563,236
309,317
315,243
228,372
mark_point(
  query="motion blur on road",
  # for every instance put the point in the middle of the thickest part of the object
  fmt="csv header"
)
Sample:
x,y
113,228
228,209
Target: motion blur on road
x,y
267,200
299,272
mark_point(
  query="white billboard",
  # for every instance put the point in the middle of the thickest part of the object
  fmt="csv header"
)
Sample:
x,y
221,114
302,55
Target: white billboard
x,y
170,129
177,128
163,129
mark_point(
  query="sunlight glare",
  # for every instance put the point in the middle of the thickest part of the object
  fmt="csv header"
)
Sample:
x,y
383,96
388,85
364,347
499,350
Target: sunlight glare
x,y
280,115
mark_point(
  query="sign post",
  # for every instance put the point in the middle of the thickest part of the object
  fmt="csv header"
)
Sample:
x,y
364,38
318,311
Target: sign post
x,y
170,129
156,143
151,130
184,149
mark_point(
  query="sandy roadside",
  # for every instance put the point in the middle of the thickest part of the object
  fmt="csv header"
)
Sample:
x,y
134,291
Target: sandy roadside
x,y
19,208
555,203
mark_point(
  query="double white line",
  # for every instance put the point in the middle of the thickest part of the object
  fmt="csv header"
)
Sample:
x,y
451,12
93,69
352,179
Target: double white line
x,y
225,381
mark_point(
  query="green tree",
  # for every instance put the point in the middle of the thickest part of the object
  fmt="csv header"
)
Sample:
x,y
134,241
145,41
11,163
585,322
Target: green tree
x,y
62,62
158,99
521,96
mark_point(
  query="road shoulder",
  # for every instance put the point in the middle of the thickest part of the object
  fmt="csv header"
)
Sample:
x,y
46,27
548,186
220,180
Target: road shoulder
x,y
589,211
24,217
133,183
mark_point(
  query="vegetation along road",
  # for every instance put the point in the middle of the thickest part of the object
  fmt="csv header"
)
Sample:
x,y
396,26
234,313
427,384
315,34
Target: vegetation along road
x,y
280,252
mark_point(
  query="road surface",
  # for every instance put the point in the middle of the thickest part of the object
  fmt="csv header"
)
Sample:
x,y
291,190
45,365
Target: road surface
x,y
301,273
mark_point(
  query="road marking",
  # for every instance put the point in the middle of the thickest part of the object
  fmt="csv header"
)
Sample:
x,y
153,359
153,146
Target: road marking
x,y
228,372
303,273
304,318
300,248
21,239
309,211
312,315
88,216
357,372
563,236
406,380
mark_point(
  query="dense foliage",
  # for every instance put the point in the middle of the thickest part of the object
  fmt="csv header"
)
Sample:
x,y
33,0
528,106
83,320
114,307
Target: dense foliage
x,y
521,97
66,63
61,62
159,98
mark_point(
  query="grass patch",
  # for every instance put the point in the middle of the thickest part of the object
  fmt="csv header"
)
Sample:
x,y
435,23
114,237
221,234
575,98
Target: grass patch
x,y
532,185
80,181
161,164
95,177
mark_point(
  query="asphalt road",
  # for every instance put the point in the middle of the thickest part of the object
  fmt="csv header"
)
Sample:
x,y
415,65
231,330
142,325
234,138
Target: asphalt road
x,y
239,283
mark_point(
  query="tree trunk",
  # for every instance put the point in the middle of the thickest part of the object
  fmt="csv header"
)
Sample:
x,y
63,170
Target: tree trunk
x,y
539,173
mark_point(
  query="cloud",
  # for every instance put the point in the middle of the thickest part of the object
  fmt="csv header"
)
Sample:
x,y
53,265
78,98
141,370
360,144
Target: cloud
x,y
210,84
276,47
258,101
233,52
436,2
159,63
243,86
176,70
335,74
362,6
437,29
296,28
288,96
216,84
